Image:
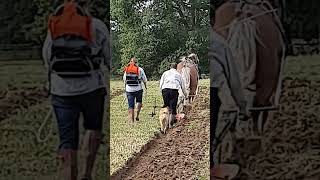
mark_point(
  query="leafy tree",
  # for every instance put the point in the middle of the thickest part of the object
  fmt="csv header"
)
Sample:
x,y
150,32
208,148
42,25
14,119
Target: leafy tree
x,y
159,32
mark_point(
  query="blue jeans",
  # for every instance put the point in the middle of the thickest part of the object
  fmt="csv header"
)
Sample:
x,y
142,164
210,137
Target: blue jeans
x,y
67,110
134,97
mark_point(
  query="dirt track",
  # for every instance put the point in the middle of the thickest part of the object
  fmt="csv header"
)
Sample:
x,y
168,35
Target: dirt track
x,y
291,144
178,154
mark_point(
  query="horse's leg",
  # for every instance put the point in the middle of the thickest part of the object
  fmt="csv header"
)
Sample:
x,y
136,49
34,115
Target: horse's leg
x,y
264,120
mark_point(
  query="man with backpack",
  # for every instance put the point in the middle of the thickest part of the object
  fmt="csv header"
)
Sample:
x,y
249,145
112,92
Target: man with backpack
x,y
133,78
170,83
75,52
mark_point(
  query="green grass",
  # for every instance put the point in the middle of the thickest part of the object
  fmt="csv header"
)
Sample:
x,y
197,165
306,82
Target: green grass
x,y
126,140
303,67
22,74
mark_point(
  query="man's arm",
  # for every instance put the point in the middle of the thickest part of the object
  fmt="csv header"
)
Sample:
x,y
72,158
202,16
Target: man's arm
x,y
161,81
46,50
124,77
143,77
103,39
106,49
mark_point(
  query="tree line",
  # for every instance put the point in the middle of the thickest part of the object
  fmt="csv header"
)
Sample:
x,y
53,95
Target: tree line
x,y
156,32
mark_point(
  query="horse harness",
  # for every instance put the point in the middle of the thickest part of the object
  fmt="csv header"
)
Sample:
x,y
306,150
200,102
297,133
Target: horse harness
x,y
243,11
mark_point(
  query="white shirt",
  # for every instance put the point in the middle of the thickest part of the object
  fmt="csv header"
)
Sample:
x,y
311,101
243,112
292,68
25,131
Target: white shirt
x,y
142,77
172,79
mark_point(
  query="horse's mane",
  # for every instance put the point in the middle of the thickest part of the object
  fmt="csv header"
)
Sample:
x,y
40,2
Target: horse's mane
x,y
242,40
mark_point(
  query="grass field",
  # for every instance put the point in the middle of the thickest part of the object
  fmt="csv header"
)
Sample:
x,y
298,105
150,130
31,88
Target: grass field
x,y
304,67
126,140
21,74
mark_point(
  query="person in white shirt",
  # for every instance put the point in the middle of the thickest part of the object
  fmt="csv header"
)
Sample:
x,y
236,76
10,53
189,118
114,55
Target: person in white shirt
x,y
133,78
170,83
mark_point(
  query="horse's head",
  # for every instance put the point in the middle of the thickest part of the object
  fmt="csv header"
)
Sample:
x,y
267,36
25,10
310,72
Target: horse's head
x,y
183,58
194,58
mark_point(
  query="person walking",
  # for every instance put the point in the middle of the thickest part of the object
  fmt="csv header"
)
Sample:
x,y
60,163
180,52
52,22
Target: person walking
x,y
170,83
76,52
133,78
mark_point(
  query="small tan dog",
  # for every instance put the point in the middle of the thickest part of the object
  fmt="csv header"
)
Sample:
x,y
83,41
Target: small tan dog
x,y
164,119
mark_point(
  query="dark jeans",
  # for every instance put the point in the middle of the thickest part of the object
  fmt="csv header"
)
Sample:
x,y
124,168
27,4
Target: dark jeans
x,y
214,110
134,97
170,99
67,110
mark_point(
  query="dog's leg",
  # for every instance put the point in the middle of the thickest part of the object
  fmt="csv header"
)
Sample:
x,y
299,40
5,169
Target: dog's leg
x,y
165,125
169,120
161,124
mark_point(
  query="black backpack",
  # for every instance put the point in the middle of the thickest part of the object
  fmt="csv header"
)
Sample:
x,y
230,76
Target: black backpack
x,y
71,54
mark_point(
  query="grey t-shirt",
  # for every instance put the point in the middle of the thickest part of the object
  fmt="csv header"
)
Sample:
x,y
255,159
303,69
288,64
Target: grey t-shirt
x,y
77,86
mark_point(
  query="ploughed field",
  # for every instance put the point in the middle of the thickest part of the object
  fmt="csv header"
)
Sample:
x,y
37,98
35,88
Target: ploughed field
x,y
290,147
141,152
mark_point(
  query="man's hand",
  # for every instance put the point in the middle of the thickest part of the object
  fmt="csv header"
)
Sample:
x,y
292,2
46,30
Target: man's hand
x,y
145,85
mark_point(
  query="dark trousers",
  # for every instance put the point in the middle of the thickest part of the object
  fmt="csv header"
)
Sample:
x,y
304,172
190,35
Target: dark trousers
x,y
170,99
214,110
67,110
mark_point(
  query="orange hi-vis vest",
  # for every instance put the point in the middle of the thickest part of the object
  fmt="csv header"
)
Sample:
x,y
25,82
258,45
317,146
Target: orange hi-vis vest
x,y
132,69
70,22
132,75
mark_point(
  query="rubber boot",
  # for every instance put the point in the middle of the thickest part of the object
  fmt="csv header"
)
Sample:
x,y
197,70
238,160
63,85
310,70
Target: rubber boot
x,y
139,106
68,169
131,116
91,145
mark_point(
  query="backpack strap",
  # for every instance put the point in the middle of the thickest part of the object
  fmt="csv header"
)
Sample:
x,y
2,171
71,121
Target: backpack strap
x,y
70,18
59,9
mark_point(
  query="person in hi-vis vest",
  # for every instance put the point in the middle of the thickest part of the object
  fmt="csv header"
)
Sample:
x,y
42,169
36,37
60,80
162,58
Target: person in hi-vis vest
x,y
133,78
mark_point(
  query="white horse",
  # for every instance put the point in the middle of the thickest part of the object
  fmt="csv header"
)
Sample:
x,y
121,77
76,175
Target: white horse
x,y
188,68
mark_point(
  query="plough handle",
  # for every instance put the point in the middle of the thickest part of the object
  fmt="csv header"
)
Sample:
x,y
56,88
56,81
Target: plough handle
x,y
268,108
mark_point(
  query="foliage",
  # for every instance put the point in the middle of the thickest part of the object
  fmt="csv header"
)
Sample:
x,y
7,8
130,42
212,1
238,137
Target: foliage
x,y
25,22
158,32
